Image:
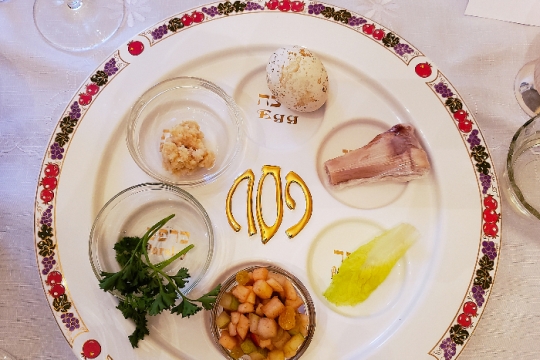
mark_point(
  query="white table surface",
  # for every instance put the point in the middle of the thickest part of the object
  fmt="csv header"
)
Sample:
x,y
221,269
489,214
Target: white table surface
x,y
479,56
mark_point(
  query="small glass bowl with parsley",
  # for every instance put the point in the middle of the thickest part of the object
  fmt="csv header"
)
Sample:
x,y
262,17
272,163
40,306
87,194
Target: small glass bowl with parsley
x,y
263,312
149,246
130,214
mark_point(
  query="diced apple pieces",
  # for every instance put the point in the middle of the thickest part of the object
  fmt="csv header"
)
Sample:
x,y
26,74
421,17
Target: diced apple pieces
x,y
276,355
260,274
292,346
232,329
278,277
243,326
258,322
267,328
223,320
235,317
252,298
265,343
290,291
257,356
248,346
258,310
236,352
273,308
280,339
229,302
275,285
262,289
294,303
226,340
246,308
253,322
301,325
241,292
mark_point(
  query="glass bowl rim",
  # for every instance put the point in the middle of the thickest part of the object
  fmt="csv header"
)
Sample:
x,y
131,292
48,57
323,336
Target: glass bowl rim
x,y
92,252
514,188
176,83
298,285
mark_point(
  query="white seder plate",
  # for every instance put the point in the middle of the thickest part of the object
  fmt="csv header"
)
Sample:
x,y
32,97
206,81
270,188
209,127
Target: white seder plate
x,y
376,79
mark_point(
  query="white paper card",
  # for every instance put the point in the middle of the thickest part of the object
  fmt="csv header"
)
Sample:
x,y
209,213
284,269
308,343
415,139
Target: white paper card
x,y
519,11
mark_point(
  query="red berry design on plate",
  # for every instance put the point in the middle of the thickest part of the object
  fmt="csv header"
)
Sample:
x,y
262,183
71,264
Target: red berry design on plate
x,y
465,126
91,349
423,70
85,99
186,20
464,320
272,4
92,89
368,28
490,216
197,16
461,115
284,5
297,6
490,202
57,290
135,48
378,34
53,278
470,308
51,170
46,195
491,229
49,183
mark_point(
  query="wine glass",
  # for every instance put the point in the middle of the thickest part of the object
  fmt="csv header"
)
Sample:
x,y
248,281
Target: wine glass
x,y
526,88
77,25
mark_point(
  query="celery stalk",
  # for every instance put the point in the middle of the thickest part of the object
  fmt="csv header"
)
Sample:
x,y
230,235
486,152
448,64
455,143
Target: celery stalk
x,y
368,266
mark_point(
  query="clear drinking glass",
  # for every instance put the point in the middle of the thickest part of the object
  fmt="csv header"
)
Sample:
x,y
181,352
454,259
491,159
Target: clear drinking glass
x,y
526,87
522,173
77,25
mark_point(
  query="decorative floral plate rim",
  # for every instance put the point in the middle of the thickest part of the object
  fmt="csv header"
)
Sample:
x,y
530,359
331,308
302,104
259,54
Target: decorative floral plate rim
x,y
459,329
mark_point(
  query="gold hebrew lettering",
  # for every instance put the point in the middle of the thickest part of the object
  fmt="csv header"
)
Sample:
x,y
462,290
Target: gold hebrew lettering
x,y
162,234
293,177
276,103
262,96
334,271
267,232
248,174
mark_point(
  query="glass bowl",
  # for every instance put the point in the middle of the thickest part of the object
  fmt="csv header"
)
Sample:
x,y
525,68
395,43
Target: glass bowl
x,y
522,174
134,210
172,102
308,308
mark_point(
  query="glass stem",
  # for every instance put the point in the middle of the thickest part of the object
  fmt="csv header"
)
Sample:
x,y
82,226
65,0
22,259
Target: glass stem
x,y
74,4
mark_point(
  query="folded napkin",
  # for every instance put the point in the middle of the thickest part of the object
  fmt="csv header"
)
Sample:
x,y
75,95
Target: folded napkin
x,y
525,12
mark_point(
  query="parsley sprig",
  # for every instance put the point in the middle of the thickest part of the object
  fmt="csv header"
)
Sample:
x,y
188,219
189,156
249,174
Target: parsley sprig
x,y
146,288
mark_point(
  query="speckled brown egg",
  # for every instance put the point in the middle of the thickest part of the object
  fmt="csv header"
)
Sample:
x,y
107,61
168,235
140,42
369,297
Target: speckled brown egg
x,y
297,79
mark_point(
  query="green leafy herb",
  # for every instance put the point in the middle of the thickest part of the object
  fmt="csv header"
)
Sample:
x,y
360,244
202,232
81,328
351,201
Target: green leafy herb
x,y
146,288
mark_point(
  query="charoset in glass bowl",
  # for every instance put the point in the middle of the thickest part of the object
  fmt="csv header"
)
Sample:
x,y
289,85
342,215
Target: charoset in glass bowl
x,y
168,149
135,210
261,312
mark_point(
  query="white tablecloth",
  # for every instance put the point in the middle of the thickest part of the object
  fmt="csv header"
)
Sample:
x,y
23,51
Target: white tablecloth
x,y
479,56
